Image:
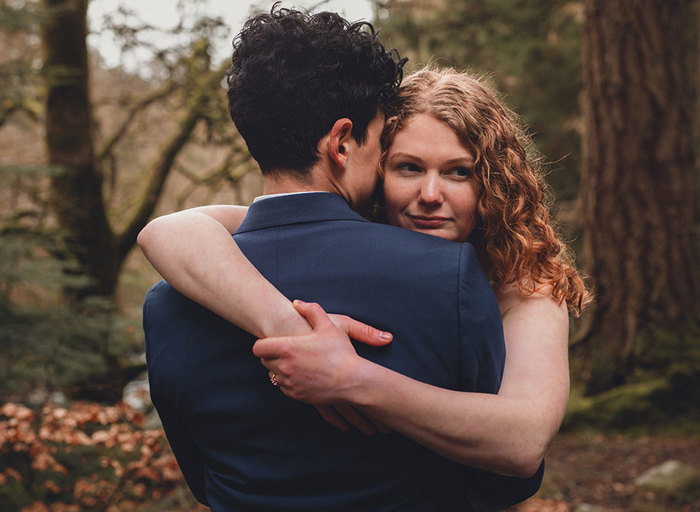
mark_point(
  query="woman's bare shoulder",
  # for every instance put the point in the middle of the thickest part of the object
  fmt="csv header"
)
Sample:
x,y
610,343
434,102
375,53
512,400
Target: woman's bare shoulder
x,y
540,297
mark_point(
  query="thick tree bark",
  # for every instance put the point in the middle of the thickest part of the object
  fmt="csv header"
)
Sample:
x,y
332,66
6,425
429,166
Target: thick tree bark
x,y
77,188
77,191
637,180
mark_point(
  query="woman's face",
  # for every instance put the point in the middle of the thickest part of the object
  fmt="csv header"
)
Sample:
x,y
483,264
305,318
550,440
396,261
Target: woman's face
x,y
428,183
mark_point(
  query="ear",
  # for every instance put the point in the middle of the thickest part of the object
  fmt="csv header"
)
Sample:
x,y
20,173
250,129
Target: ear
x,y
339,140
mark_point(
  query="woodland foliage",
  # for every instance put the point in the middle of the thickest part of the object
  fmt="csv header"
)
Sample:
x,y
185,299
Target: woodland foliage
x,y
85,457
161,140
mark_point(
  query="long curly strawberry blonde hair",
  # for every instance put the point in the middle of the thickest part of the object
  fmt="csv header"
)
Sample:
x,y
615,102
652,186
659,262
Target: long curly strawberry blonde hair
x,y
514,236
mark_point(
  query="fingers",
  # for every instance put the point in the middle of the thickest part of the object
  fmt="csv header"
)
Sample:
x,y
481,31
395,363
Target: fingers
x,y
381,427
269,348
331,416
362,332
355,329
313,313
356,419
342,416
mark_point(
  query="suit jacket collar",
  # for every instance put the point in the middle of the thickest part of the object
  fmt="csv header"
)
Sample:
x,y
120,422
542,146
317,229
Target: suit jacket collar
x,y
297,209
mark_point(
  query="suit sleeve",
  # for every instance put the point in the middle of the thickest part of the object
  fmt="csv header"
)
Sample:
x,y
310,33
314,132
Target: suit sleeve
x,y
481,328
498,491
483,356
188,456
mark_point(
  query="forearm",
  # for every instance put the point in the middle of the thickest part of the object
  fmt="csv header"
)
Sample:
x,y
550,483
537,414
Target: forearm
x,y
196,254
506,433
503,434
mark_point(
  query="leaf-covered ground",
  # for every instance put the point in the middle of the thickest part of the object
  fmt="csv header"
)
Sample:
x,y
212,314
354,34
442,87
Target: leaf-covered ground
x,y
600,470
91,457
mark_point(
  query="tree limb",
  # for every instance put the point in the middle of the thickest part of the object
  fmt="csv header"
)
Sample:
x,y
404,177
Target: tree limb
x,y
112,141
163,164
228,170
14,108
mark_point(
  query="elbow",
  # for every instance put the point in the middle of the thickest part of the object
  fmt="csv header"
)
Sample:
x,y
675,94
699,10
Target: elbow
x,y
520,459
529,442
142,238
522,465
526,456
525,467
147,235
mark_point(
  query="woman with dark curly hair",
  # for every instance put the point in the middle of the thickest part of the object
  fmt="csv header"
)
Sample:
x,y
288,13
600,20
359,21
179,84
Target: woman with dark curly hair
x,y
455,165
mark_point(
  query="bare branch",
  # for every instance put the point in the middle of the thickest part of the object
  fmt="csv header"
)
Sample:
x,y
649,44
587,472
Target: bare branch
x,y
161,93
11,108
163,164
230,169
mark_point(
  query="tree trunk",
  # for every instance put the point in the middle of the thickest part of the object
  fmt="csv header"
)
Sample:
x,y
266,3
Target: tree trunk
x,y
637,182
77,186
77,192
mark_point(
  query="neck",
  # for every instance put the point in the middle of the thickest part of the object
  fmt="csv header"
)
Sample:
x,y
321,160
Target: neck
x,y
286,182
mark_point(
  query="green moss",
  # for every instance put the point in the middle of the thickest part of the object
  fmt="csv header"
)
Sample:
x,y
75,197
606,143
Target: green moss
x,y
664,348
14,496
640,406
650,507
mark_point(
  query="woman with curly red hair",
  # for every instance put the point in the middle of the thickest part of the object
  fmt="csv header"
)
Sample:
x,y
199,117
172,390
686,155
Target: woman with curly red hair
x,y
455,165
512,231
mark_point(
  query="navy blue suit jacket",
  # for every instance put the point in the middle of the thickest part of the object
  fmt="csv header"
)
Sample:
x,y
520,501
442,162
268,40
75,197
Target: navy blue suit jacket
x,y
243,445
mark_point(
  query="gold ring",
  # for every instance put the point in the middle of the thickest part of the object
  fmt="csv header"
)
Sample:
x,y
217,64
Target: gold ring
x,y
273,379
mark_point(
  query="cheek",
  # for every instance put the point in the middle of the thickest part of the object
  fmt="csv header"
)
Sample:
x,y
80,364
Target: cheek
x,y
393,197
467,207
389,202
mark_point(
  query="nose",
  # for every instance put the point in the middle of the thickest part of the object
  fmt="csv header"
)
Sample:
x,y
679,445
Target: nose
x,y
430,191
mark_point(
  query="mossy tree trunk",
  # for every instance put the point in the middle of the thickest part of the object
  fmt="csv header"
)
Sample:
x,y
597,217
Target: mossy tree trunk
x,y
77,189
637,182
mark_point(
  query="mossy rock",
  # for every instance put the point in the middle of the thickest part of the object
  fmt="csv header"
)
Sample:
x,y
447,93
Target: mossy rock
x,y
672,478
642,404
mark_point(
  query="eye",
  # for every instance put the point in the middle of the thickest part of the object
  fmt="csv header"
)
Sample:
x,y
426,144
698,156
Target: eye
x,y
408,168
461,172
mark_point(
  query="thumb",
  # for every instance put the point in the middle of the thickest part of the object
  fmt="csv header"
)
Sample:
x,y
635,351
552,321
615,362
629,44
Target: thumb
x,y
313,313
362,332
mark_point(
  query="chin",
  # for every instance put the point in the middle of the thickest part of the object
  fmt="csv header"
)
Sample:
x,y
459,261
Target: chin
x,y
439,234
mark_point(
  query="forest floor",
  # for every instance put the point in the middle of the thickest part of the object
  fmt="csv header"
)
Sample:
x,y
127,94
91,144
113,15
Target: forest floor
x,y
599,470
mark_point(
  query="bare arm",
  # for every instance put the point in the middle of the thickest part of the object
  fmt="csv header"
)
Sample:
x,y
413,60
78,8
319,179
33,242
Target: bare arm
x,y
193,250
506,433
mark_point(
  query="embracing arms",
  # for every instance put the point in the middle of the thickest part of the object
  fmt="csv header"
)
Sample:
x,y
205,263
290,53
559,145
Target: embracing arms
x,y
193,251
505,433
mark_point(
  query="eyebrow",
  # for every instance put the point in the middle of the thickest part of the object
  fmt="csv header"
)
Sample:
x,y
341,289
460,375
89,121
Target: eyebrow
x,y
451,161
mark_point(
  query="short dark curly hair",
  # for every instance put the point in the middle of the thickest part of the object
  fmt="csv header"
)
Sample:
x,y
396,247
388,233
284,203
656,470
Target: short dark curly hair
x,y
293,75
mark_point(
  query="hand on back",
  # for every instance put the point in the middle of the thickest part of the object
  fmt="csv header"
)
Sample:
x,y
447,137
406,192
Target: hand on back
x,y
322,368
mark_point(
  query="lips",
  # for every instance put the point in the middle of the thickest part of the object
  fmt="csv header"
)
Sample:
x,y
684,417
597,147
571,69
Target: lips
x,y
425,221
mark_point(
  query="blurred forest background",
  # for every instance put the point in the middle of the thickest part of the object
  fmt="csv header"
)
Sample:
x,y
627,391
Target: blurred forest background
x,y
89,153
